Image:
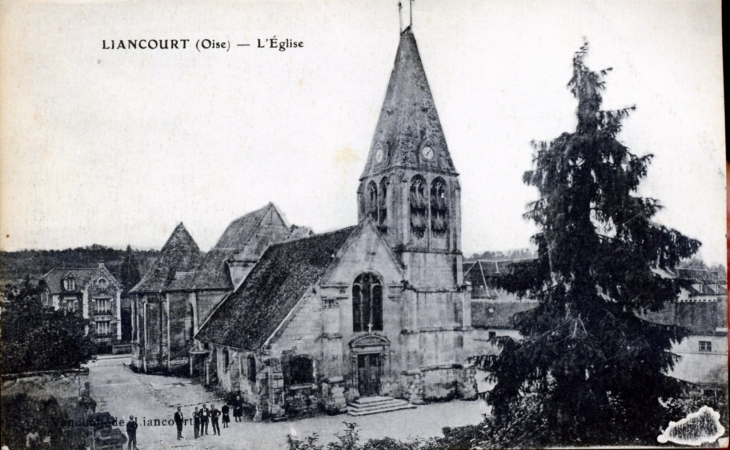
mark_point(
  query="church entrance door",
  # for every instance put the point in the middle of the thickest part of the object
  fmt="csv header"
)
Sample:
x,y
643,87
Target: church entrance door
x,y
368,371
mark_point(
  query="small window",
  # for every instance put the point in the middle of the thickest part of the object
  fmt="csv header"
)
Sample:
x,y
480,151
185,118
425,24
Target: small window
x,y
492,334
102,283
69,283
226,360
705,346
251,369
103,327
302,370
70,304
103,306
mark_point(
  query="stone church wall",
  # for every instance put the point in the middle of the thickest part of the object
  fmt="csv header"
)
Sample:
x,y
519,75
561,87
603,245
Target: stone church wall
x,y
302,335
180,329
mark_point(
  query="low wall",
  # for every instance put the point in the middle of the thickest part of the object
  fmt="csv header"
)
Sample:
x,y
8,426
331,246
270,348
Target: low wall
x,y
67,386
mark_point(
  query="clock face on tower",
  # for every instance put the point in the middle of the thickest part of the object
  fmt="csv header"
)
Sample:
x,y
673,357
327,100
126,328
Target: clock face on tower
x,y
427,153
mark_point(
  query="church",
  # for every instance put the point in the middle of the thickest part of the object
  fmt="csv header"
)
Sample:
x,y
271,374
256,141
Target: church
x,y
368,318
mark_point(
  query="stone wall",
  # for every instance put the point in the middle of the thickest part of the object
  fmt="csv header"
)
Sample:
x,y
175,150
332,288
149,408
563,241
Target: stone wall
x,y
67,386
180,329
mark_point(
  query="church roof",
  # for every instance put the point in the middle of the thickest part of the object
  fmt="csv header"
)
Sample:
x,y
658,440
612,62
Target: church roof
x,y
246,318
408,120
239,232
212,272
179,254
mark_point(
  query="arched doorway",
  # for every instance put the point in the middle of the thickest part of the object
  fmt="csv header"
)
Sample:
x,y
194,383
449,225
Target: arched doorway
x,y
370,363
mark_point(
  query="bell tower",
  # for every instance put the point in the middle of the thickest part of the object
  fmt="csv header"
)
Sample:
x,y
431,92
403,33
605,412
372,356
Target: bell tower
x,y
409,187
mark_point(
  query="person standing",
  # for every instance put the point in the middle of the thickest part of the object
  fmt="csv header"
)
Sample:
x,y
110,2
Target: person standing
x,y
179,422
226,417
238,410
196,422
214,415
132,433
204,417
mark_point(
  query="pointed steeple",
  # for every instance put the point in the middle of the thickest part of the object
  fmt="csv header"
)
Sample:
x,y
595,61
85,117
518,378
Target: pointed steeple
x,y
409,133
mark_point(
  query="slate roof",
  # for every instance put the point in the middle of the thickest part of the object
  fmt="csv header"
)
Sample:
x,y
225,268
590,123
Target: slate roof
x,y
180,282
212,272
408,120
478,274
54,279
246,318
179,254
498,314
698,317
240,230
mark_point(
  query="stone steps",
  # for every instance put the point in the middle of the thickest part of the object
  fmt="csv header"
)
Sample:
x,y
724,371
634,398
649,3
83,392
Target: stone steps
x,y
376,405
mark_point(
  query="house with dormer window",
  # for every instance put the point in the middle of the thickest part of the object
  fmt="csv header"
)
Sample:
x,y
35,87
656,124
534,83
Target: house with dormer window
x,y
94,293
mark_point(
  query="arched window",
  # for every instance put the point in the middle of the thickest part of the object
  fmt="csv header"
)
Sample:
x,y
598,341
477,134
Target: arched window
x,y
418,206
367,303
439,207
301,370
226,360
372,206
189,323
251,372
383,205
102,283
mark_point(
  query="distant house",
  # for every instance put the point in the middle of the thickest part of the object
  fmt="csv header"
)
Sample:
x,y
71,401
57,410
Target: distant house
x,y
92,292
492,309
701,309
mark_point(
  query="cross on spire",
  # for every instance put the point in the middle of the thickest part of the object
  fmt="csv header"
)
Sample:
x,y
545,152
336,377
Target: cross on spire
x,y
411,11
400,16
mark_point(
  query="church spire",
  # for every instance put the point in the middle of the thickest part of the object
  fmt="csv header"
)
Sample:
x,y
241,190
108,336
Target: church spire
x,y
409,133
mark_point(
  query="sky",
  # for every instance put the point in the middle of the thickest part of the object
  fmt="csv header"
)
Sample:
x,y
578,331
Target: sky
x,y
117,147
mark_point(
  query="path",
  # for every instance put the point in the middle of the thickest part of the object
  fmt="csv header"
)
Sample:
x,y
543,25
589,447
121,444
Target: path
x,y
122,392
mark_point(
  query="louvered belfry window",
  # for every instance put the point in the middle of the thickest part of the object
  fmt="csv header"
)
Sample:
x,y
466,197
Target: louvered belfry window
x,y
383,205
439,207
367,303
372,204
418,206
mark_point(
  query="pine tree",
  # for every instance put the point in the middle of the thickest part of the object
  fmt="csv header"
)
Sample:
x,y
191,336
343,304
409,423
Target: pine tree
x,y
588,369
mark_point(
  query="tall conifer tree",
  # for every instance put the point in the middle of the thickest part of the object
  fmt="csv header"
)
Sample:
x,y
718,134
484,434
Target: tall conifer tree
x,y
589,370
130,271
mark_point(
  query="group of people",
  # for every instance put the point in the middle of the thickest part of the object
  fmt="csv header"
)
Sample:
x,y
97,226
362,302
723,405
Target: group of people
x,y
204,416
